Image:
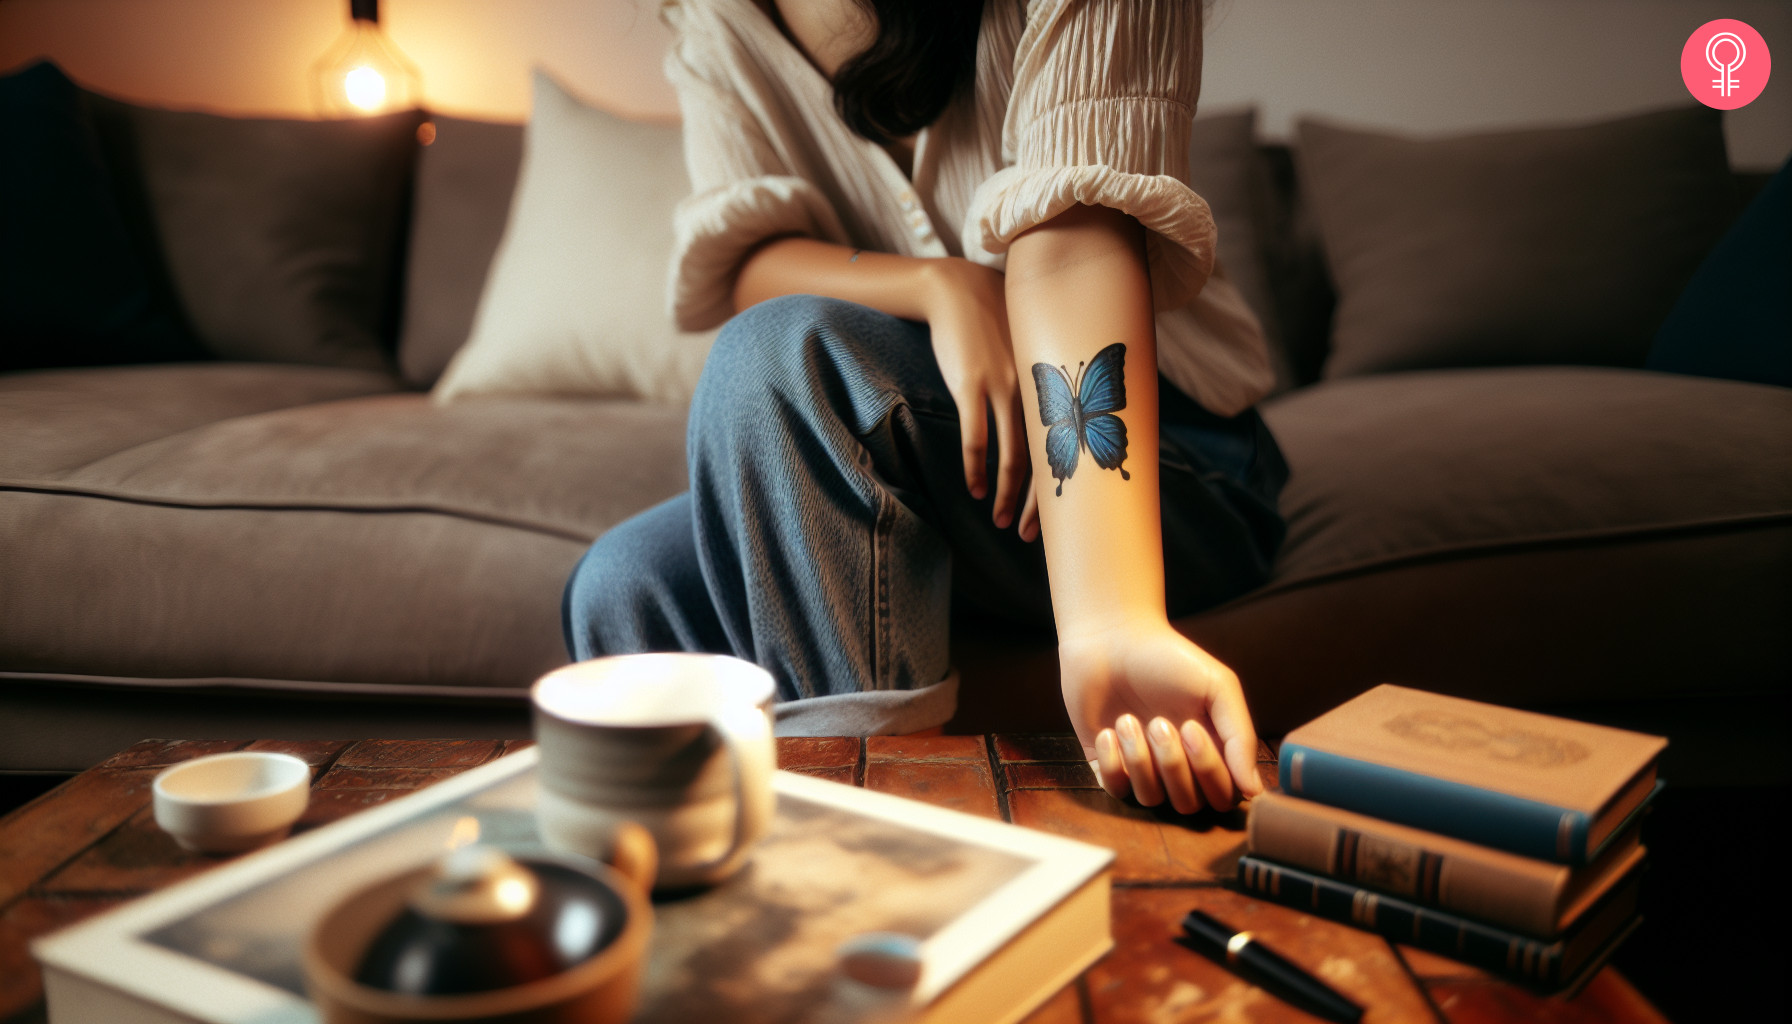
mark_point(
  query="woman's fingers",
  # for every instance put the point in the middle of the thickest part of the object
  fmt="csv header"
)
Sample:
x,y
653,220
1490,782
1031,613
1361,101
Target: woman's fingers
x,y
1011,448
1238,736
1110,771
974,433
1135,754
1208,766
1029,514
1173,766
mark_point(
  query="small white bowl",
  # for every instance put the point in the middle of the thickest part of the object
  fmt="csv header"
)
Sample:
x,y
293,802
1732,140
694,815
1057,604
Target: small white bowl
x,y
227,803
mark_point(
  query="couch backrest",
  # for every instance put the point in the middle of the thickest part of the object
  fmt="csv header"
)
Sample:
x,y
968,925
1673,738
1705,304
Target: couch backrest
x,y
394,235
466,176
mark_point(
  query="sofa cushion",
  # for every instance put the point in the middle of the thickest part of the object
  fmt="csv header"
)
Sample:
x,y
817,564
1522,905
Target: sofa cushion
x,y
309,600
575,302
465,178
281,236
364,538
74,290
1438,463
1535,536
1688,616
56,421
1559,245
565,467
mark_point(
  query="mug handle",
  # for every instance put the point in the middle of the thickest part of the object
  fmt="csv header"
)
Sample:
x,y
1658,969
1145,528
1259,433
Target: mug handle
x,y
747,730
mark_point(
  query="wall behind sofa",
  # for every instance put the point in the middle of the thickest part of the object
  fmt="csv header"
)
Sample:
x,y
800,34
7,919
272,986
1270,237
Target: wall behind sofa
x,y
1418,65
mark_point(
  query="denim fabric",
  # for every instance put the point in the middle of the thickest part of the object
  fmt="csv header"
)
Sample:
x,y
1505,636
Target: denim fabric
x,y
828,533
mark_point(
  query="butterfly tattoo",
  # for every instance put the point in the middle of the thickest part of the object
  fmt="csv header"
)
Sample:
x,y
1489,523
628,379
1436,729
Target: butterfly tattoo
x,y
1080,414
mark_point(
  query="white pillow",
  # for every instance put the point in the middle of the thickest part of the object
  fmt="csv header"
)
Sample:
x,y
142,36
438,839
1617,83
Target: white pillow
x,y
575,300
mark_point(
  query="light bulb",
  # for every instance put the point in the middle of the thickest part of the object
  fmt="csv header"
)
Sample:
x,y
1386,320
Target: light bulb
x,y
363,73
365,88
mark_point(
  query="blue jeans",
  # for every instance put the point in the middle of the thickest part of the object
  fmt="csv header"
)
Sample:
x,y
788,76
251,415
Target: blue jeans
x,y
828,532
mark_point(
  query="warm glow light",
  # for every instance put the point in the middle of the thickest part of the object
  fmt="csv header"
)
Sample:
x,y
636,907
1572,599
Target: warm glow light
x,y
514,895
365,87
363,73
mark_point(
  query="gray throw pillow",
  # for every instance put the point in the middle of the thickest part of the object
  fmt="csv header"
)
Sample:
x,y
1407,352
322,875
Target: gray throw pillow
x,y
465,179
1555,245
281,236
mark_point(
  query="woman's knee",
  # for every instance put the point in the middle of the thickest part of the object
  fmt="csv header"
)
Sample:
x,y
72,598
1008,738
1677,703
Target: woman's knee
x,y
792,315
766,345
809,353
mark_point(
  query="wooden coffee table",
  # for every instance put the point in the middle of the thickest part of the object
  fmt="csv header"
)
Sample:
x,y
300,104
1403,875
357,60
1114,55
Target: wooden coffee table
x,y
92,844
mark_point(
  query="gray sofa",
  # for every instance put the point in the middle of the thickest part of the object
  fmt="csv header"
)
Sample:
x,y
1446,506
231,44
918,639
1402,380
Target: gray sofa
x,y
270,548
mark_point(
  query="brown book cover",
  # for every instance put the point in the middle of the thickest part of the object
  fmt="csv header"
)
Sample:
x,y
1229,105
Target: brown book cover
x,y
1535,897
1556,788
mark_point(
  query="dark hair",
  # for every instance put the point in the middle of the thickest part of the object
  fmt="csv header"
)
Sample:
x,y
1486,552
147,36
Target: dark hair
x,y
924,53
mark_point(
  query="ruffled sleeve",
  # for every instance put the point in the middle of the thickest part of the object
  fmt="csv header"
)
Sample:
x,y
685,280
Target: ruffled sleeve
x,y
1104,92
742,192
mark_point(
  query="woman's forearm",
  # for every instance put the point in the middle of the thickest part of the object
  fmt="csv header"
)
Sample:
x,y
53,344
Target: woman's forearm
x,y
896,285
1077,285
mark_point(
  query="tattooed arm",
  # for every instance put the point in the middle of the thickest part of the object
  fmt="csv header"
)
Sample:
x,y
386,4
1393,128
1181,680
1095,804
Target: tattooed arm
x,y
1156,714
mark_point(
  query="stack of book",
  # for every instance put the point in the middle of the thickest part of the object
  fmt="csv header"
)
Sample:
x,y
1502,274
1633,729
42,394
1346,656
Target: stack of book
x,y
1502,838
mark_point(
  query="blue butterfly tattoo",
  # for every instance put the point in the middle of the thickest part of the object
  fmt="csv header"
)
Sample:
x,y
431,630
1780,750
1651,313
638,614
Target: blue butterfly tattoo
x,y
1080,414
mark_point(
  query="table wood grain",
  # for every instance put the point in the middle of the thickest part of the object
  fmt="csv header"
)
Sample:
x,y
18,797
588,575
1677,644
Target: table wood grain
x,y
91,844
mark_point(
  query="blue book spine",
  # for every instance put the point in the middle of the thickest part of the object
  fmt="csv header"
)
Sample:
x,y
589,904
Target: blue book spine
x,y
1483,816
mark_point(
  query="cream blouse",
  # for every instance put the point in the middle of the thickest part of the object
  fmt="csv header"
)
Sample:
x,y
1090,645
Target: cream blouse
x,y
1074,101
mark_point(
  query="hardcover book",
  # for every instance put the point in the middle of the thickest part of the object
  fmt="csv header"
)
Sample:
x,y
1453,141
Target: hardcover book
x,y
1005,916
1534,784
1565,962
1538,898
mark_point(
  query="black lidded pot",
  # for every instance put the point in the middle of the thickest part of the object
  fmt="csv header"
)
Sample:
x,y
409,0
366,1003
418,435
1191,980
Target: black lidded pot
x,y
485,921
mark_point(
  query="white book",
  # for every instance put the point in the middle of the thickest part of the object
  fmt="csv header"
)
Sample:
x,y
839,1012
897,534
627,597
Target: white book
x,y
1006,916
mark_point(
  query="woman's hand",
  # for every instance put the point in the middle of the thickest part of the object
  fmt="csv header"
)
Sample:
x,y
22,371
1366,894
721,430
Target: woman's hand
x,y
1159,717
967,313
966,309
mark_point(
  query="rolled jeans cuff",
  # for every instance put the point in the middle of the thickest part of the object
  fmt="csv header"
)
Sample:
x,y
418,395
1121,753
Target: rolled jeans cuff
x,y
870,713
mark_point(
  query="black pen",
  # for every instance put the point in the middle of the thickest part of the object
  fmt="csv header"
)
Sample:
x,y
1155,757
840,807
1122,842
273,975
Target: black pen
x,y
1267,969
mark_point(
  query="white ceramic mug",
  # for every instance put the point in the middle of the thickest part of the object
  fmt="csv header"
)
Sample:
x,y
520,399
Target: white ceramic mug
x,y
681,743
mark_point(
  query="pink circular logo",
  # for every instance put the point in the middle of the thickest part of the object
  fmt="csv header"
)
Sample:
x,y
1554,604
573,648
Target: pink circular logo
x,y
1725,64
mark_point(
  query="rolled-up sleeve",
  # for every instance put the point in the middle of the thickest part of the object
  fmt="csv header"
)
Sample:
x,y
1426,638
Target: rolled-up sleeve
x,y
741,192
1104,93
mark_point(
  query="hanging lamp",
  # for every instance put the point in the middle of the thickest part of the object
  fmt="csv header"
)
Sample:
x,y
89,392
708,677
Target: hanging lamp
x,y
363,72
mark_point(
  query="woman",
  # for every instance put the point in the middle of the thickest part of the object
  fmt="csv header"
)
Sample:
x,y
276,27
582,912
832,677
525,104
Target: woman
x,y
941,229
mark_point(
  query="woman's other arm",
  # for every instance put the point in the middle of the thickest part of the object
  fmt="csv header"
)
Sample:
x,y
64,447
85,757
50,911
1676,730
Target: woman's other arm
x,y
1158,715
962,304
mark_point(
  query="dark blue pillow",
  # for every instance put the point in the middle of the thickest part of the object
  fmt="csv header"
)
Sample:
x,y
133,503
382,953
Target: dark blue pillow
x,y
74,290
1734,318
